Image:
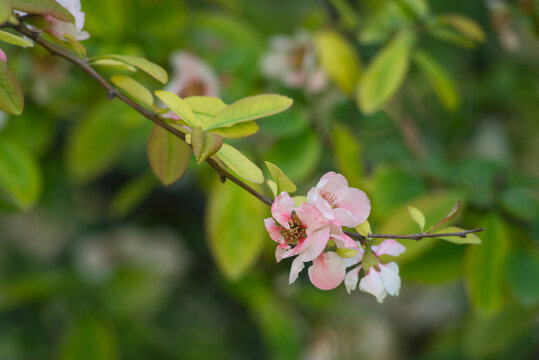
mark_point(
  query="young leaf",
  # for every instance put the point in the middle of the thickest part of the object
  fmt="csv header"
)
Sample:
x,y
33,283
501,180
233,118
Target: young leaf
x,y
273,187
179,107
154,70
339,59
454,211
237,131
206,108
11,98
20,175
204,144
250,108
235,236
42,7
417,216
440,80
463,25
75,45
134,89
469,239
114,64
169,156
14,39
240,164
385,74
283,182
364,228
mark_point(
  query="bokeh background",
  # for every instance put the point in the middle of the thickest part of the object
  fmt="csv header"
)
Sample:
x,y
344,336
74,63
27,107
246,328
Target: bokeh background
x,y
109,264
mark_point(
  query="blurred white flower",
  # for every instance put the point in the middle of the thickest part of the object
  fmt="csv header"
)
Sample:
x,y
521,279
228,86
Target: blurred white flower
x,y
60,28
292,60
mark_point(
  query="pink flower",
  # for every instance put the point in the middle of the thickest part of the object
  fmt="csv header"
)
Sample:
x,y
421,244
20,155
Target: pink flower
x,y
307,229
328,271
60,28
3,56
332,196
292,60
381,279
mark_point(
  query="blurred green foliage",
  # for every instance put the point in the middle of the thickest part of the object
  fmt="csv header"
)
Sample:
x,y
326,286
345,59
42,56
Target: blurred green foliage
x,y
99,261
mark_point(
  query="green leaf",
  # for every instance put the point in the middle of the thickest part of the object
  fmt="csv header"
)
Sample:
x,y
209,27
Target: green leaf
x,y
364,228
75,45
385,74
15,40
454,211
452,37
347,154
20,175
441,81
204,144
206,108
5,11
485,264
471,238
273,187
131,195
95,143
11,97
114,64
179,107
154,70
169,156
237,131
522,272
520,203
134,89
90,338
417,216
235,228
283,182
298,200
240,164
42,7
464,26
339,59
250,108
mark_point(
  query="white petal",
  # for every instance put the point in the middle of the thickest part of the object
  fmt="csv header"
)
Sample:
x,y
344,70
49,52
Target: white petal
x,y
389,247
390,277
372,283
351,279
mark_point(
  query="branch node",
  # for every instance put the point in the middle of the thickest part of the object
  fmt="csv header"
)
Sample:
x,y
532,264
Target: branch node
x,y
222,178
112,93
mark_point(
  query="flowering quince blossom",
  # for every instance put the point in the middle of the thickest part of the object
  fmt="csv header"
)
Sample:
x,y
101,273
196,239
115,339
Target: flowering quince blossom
x,y
381,279
292,60
306,228
60,28
338,202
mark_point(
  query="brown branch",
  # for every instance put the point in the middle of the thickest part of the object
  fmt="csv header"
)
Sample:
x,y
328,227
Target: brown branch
x,y
112,93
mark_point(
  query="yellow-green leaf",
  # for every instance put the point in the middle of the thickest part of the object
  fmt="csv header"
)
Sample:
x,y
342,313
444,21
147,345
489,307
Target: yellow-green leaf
x,y
204,144
273,187
240,164
339,59
134,89
154,70
417,216
206,108
75,45
42,7
14,39
5,11
11,98
385,74
235,228
114,64
364,228
464,26
283,182
168,155
179,107
237,131
439,78
20,175
471,238
250,108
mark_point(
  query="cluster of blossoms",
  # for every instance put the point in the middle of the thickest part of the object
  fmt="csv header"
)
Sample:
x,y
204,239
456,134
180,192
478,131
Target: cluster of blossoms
x,y
311,230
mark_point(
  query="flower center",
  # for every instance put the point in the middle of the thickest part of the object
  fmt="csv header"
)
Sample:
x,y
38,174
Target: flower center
x,y
296,232
297,57
330,198
195,88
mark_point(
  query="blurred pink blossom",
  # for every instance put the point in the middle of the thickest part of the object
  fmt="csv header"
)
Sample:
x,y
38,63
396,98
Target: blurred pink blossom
x,y
3,56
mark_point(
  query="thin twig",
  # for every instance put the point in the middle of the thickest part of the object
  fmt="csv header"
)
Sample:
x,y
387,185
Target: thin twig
x,y
112,93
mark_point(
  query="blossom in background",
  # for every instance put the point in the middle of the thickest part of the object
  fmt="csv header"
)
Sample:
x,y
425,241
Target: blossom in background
x,y
60,28
381,279
3,56
293,61
332,196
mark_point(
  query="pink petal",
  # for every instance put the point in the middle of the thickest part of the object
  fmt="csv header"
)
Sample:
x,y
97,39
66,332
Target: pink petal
x,y
312,246
297,266
345,241
356,259
327,271
279,251
336,184
314,198
311,217
358,204
351,279
3,56
372,283
281,209
388,247
274,231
